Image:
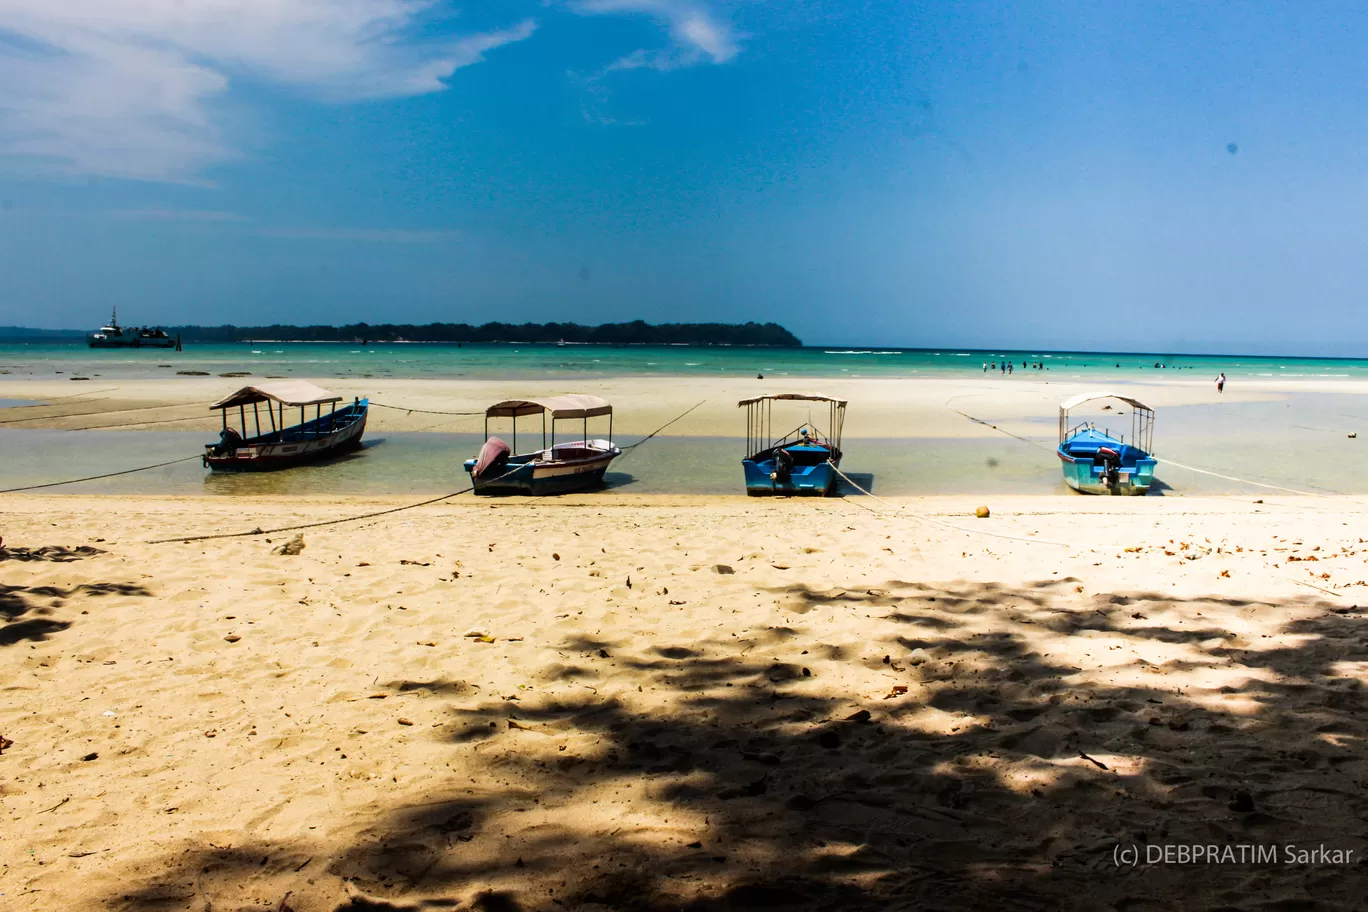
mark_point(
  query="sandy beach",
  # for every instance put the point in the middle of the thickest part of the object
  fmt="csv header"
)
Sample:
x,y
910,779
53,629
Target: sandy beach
x,y
882,407
698,703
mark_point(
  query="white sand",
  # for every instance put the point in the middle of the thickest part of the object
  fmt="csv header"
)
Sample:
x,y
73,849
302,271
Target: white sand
x,y
643,731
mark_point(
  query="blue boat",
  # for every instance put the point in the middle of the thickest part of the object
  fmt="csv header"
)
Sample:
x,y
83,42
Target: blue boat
x,y
279,445
802,461
1100,462
560,468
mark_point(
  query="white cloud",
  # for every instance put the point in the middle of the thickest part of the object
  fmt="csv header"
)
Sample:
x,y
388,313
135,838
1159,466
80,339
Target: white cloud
x,y
138,88
697,34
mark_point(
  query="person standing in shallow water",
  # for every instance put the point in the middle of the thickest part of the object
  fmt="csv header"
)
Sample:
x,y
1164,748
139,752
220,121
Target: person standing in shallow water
x,y
1220,382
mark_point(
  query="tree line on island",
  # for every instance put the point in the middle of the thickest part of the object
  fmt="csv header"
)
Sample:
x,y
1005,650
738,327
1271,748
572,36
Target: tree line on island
x,y
634,332
637,332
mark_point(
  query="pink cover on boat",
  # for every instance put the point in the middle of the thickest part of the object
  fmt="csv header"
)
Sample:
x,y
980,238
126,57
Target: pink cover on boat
x,y
493,449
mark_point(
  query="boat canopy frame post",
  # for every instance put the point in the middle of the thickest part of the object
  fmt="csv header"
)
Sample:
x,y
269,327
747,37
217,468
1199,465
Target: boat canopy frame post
x,y
760,421
1142,419
558,408
296,393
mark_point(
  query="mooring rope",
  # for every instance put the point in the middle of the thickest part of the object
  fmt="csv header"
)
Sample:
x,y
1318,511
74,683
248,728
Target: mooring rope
x,y
630,447
1334,495
378,513
902,510
141,408
56,484
400,408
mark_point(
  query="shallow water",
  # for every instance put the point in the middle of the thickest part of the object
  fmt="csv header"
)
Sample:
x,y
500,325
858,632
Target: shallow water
x,y
420,360
1300,443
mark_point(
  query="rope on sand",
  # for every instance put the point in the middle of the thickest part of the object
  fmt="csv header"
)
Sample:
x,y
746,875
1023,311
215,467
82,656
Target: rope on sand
x,y
377,513
141,408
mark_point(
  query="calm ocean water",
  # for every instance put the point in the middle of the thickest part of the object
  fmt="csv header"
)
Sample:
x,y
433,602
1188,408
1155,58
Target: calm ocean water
x,y
46,360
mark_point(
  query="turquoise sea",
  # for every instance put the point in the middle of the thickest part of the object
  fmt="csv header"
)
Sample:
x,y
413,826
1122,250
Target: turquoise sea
x,y
44,360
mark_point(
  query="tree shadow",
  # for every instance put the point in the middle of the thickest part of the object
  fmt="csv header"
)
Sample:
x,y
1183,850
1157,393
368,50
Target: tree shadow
x,y
18,601
999,770
54,553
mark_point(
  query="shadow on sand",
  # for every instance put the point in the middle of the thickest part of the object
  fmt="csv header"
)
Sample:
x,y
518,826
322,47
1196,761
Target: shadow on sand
x,y
762,786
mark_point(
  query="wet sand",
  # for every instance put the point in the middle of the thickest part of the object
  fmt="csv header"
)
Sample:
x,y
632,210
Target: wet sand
x,y
609,701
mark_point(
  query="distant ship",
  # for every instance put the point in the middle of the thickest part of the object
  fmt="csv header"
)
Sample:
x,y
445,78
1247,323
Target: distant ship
x,y
115,336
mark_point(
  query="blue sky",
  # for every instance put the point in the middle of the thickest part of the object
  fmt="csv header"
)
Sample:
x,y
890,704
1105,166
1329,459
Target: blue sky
x,y
1160,176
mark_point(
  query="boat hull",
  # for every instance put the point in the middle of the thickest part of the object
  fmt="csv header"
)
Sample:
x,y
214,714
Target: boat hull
x,y
287,451
131,343
1088,475
764,479
531,475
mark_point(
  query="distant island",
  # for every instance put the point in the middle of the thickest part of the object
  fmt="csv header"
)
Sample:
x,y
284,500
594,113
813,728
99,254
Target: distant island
x,y
638,332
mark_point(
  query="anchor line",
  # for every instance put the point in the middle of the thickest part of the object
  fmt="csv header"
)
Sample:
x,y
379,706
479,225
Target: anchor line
x,y
375,514
900,509
56,484
1258,484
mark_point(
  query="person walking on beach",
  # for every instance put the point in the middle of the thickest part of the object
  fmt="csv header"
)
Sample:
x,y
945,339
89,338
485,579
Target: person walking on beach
x,y
1010,368
1220,382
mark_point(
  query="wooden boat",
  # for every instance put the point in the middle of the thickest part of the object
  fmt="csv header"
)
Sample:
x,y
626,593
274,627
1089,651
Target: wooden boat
x,y
1100,462
802,461
324,435
556,469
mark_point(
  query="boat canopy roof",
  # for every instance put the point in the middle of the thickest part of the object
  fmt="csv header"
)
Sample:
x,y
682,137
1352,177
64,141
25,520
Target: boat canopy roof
x,y
575,405
1075,401
806,397
286,392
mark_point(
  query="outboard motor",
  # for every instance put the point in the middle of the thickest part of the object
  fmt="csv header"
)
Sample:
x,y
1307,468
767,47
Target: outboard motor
x,y
1111,466
493,456
229,441
783,463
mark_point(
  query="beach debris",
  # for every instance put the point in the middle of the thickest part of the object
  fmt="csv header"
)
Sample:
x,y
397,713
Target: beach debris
x,y
629,582
723,569
897,691
291,547
981,512
1353,436
93,755
232,638
403,721
407,562
860,715
192,373
211,733
5,743
555,555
